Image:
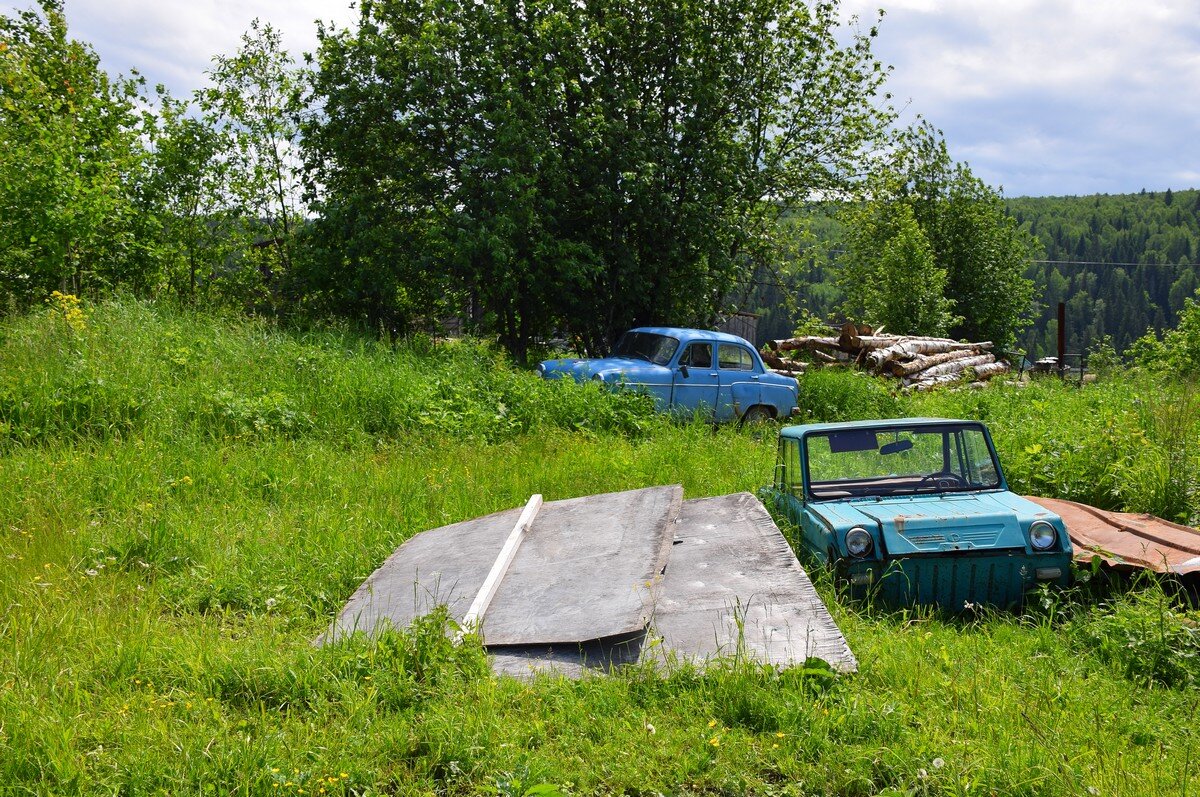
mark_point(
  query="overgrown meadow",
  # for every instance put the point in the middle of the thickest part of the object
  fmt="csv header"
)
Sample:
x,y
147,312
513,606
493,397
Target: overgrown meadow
x,y
186,501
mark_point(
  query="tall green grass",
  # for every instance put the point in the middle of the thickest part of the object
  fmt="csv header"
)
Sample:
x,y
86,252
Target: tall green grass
x,y
165,569
131,369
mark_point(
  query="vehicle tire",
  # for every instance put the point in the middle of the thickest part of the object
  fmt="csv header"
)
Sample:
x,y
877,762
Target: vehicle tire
x,y
757,416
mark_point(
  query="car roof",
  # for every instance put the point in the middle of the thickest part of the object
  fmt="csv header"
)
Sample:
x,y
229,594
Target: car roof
x,y
684,335
880,423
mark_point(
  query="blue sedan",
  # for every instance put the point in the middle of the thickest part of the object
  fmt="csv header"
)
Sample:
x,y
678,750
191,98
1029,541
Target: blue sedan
x,y
689,370
916,510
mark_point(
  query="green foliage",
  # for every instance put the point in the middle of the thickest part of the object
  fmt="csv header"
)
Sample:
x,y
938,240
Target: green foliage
x,y
889,275
1102,357
579,166
1146,636
932,240
251,112
199,239
71,166
831,395
1178,352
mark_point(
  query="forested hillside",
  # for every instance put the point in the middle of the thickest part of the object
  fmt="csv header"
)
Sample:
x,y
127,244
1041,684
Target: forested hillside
x,y
1122,263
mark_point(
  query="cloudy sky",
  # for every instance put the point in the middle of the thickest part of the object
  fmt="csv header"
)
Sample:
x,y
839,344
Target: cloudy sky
x,y
1041,97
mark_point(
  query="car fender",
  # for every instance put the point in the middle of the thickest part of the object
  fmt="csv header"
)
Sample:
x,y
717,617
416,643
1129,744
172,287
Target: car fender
x,y
746,394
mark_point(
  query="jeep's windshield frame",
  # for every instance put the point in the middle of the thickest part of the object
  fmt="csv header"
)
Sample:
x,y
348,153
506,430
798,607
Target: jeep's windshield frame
x,y
899,460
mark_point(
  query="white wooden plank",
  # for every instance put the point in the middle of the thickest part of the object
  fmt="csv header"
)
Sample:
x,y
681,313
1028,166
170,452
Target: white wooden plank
x,y
474,616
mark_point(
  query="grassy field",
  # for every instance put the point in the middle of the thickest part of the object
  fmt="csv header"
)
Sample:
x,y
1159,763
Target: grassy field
x,y
186,502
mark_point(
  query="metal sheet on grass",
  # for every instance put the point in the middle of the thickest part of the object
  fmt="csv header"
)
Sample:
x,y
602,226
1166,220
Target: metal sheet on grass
x,y
582,571
733,585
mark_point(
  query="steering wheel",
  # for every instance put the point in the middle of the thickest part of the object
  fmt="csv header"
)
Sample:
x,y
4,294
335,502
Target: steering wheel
x,y
943,479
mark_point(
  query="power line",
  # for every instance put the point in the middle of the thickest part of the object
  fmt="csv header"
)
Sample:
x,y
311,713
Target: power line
x,y
1108,263
839,251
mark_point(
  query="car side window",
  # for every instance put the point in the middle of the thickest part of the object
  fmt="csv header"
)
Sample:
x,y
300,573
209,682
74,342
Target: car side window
x,y
734,358
981,469
791,466
698,355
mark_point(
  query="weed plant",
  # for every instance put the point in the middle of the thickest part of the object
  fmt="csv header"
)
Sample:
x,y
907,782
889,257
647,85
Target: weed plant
x,y
187,502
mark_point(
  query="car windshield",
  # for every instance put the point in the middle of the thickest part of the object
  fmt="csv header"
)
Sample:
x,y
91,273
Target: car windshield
x,y
898,460
648,346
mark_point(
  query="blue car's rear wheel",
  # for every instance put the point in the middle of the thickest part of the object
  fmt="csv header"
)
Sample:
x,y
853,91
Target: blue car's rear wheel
x,y
757,415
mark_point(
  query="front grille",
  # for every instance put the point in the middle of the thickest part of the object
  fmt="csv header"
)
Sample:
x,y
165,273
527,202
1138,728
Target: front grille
x,y
953,581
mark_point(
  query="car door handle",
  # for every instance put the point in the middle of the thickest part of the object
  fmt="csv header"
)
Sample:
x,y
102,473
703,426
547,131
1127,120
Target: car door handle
x,y
754,377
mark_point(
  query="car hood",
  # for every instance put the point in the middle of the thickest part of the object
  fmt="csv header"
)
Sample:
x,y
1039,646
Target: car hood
x,y
610,367
926,524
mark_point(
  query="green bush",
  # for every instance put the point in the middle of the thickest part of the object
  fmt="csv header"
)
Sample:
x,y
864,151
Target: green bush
x,y
1145,636
1178,352
828,395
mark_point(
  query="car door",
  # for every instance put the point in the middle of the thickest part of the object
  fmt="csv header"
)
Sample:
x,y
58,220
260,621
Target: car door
x,y
739,387
694,379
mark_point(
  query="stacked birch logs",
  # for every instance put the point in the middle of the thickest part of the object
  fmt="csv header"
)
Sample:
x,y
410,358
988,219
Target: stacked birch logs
x,y
921,363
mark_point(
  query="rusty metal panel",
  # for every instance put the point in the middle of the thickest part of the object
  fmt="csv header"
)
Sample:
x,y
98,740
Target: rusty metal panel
x,y
1127,540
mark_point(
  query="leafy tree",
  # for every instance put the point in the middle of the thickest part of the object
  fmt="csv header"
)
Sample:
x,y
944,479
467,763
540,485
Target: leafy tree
x,y
889,275
71,165
585,166
977,251
252,110
187,188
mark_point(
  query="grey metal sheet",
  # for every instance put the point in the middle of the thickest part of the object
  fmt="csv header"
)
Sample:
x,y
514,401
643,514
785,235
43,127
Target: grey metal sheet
x,y
733,583
580,574
585,569
446,565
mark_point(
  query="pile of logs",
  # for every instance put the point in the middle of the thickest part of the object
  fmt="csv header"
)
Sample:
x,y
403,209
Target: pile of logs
x,y
920,363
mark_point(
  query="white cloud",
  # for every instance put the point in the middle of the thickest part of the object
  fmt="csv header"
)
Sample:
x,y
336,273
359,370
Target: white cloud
x,y
174,42
1052,96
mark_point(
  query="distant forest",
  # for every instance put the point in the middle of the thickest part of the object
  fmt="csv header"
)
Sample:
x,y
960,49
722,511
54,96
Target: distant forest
x,y
1123,264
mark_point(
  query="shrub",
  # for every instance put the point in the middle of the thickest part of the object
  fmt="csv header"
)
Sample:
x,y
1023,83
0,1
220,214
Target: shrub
x,y
1179,350
1145,636
835,395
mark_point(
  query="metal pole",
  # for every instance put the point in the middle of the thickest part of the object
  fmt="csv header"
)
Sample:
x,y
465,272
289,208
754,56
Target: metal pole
x,y
1062,339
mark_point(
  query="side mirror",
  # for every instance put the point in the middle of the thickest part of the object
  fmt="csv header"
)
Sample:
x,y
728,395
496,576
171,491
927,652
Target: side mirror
x,y
683,370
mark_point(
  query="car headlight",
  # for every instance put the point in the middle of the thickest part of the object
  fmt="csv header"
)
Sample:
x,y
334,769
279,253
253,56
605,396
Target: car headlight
x,y
859,541
1042,535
